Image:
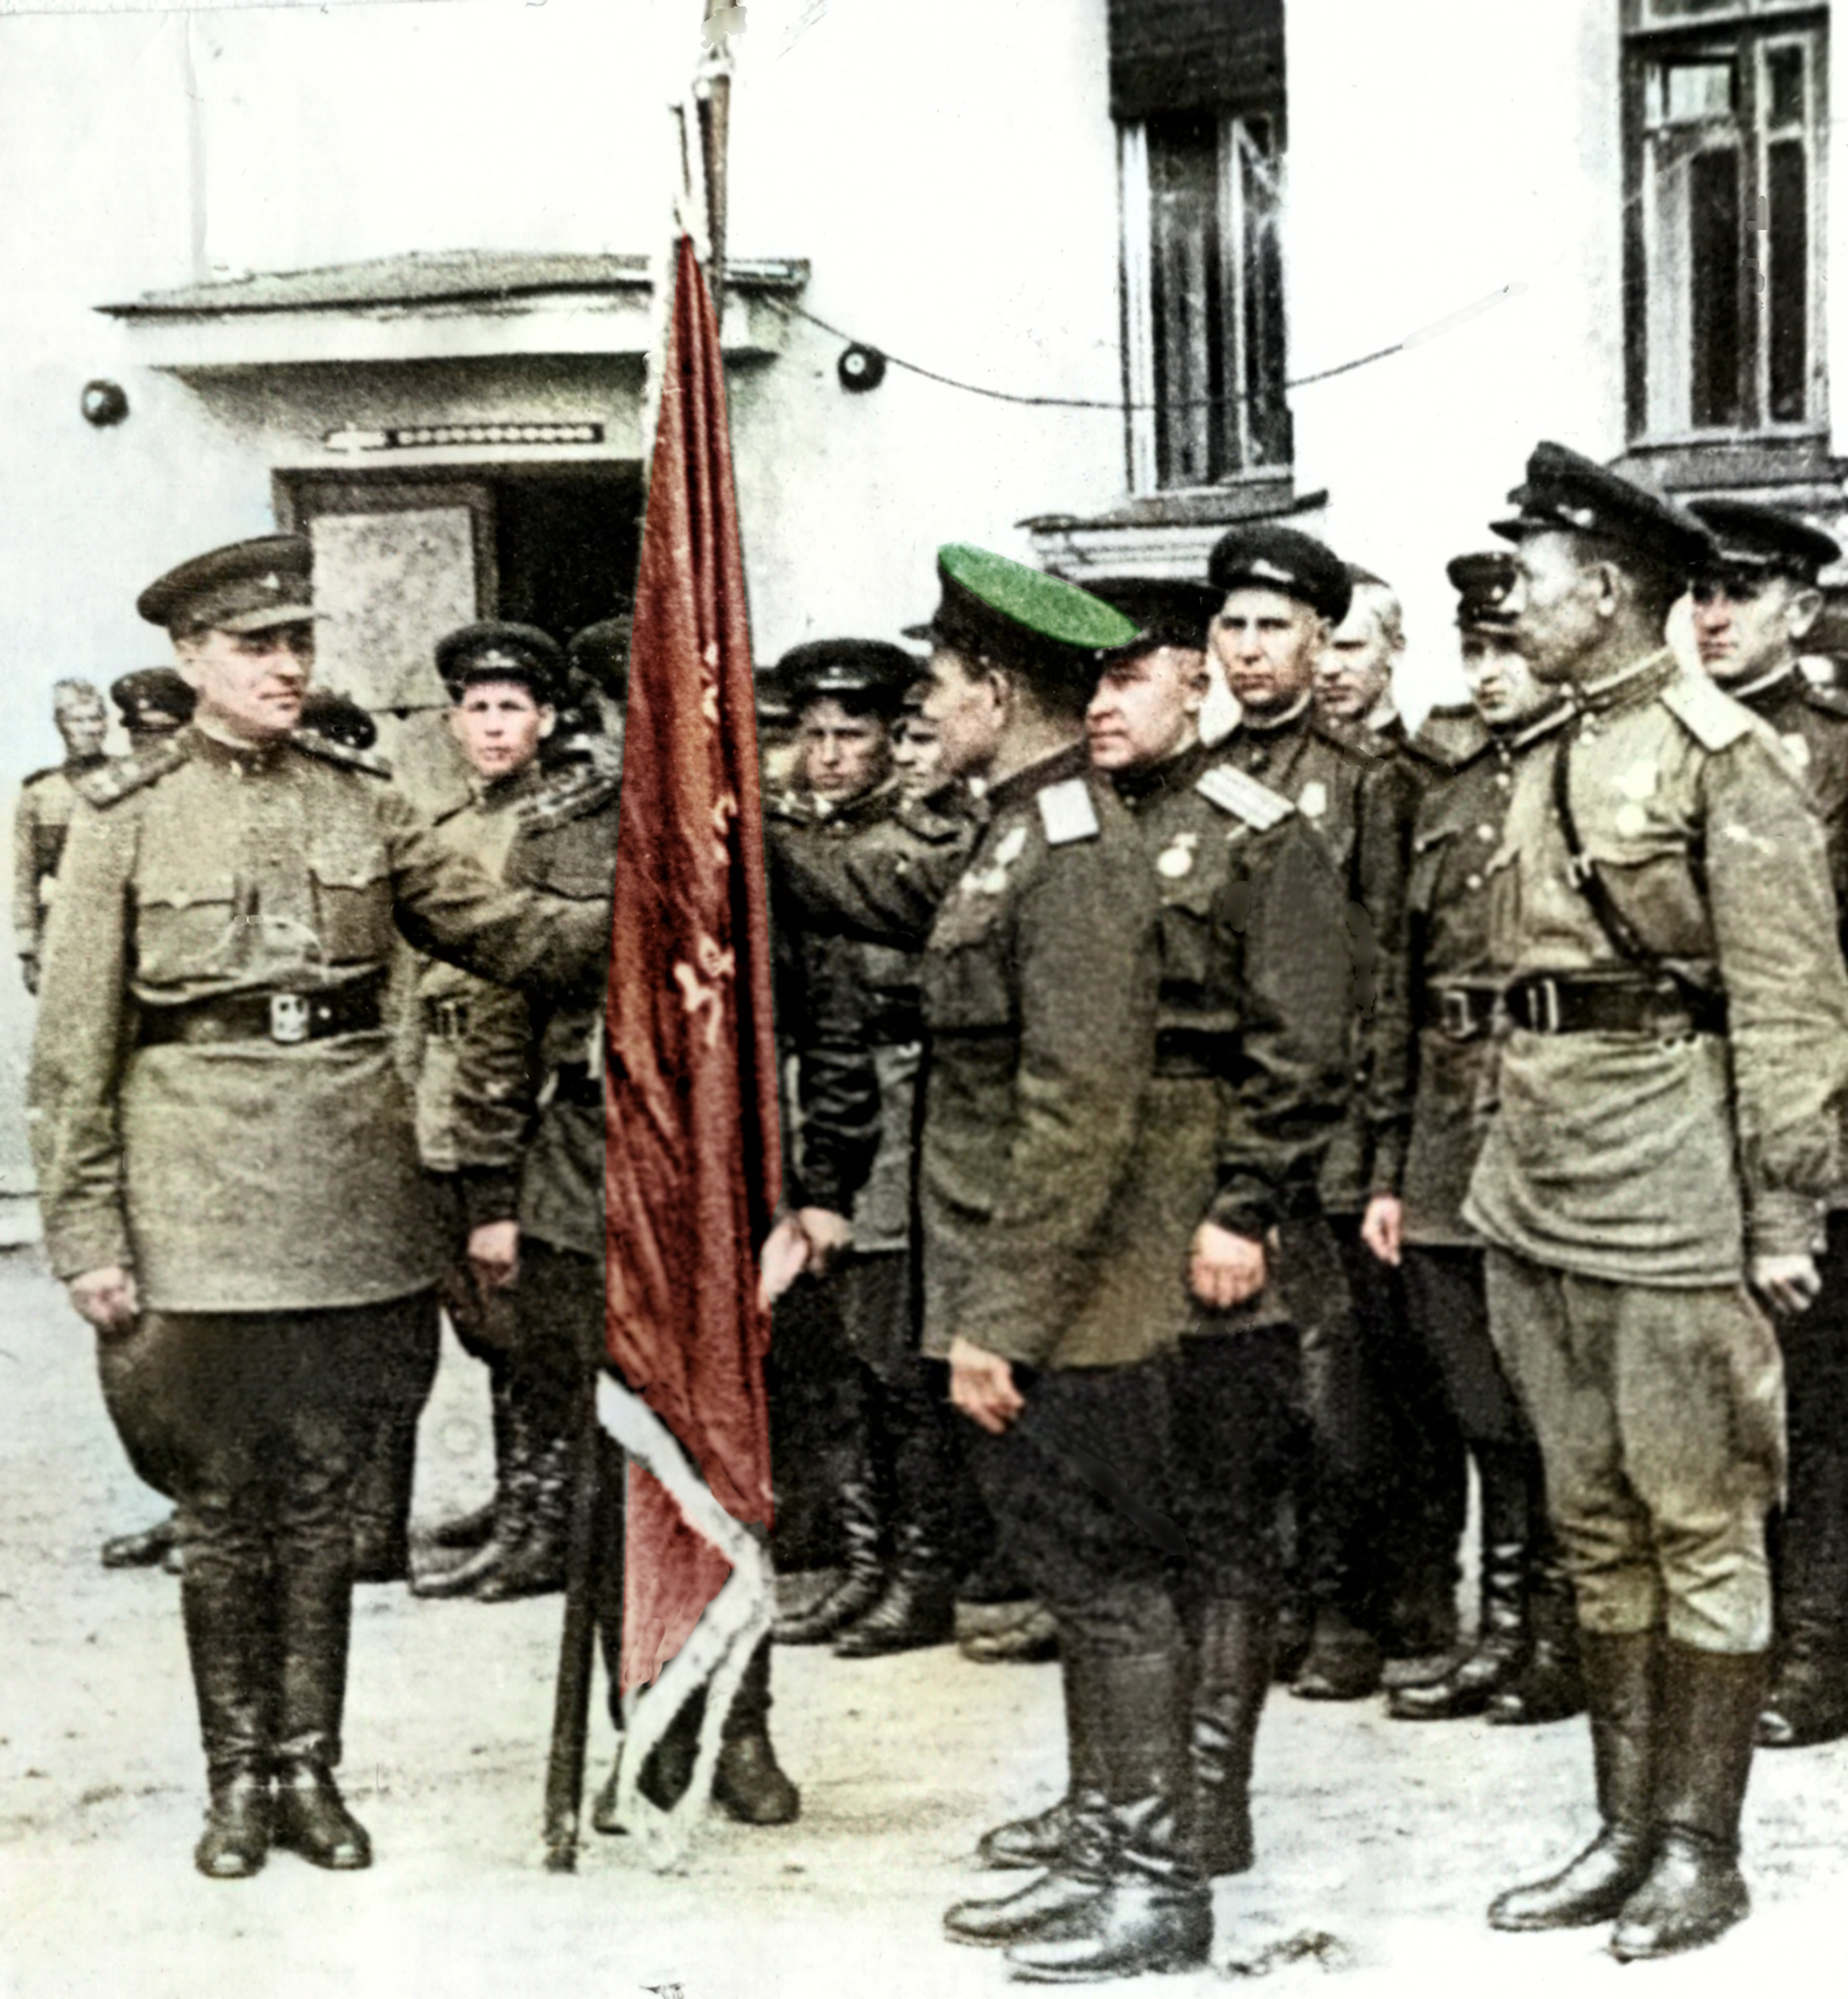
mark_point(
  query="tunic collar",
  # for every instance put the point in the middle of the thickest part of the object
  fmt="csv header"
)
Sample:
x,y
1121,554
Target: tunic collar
x,y
1150,781
1072,762
219,752
1630,686
1765,689
1270,724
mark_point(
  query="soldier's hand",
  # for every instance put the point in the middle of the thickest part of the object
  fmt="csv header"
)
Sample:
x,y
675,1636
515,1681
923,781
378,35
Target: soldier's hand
x,y
1382,1227
981,1386
1786,1283
1225,1268
786,1253
828,1234
107,1298
494,1253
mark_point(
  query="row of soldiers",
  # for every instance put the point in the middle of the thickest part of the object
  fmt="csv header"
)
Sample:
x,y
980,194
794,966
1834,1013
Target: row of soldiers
x,y
1316,1086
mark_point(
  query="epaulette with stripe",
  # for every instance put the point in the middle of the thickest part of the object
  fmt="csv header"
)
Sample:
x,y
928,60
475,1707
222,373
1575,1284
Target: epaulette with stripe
x,y
1713,718
1068,812
1449,738
572,795
50,770
1826,701
333,752
124,776
1238,792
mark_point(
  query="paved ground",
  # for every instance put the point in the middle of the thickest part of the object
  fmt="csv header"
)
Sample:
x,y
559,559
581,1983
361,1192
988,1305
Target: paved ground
x,y
1386,1838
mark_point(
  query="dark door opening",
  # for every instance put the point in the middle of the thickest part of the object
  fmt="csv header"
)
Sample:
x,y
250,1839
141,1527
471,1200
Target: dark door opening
x,y
566,545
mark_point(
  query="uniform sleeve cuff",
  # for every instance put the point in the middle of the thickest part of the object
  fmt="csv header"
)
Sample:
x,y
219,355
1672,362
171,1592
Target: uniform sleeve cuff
x,y
1786,1224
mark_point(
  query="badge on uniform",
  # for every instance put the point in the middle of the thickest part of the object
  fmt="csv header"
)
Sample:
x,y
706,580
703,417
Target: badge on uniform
x,y
1798,746
993,878
1176,859
1313,800
1067,814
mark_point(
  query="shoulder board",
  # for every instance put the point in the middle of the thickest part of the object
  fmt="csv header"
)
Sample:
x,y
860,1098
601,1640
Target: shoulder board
x,y
1450,737
1826,701
1068,812
318,746
917,817
1714,719
575,795
788,808
124,776
1361,744
38,777
1238,792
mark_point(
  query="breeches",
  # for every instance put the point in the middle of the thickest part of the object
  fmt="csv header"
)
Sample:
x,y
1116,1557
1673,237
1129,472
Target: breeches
x,y
1660,1416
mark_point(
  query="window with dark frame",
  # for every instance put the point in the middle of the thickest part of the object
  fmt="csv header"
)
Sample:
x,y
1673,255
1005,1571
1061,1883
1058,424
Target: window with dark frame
x,y
1196,89
1725,119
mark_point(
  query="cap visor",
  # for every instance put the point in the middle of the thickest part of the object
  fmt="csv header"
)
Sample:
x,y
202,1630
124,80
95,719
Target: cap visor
x,y
927,632
265,620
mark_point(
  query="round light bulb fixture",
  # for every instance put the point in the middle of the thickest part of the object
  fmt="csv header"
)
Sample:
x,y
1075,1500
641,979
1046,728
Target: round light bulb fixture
x,y
104,403
861,368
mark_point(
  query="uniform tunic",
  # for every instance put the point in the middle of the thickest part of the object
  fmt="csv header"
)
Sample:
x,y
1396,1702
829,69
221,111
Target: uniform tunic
x,y
248,1174
40,826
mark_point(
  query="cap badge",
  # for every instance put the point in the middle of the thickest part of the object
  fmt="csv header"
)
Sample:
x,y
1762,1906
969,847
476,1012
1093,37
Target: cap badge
x,y
1176,859
1275,572
273,583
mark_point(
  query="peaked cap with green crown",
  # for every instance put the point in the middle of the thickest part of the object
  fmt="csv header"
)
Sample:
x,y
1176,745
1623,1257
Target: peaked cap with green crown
x,y
992,608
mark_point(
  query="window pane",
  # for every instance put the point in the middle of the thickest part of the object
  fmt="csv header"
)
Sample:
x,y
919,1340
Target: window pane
x,y
1714,275
1783,84
1688,10
1268,413
1184,205
1686,93
1787,282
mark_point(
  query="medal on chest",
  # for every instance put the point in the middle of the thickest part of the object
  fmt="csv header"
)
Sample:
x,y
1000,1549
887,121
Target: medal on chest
x,y
1313,800
1176,859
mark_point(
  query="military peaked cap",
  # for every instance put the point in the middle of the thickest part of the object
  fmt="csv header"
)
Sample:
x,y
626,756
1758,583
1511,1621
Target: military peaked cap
x,y
872,673
1761,542
1566,492
252,585
1482,581
1266,556
153,698
601,653
1170,610
994,608
337,719
494,650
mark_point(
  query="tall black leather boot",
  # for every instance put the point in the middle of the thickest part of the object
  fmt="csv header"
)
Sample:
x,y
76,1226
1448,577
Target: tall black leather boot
x,y
380,1506
1038,1842
1704,1727
749,1784
863,1582
1807,1701
1234,1662
469,1531
1549,1686
231,1645
314,1595
1622,1676
1344,1662
1154,1909
1502,1635
919,1604
535,1565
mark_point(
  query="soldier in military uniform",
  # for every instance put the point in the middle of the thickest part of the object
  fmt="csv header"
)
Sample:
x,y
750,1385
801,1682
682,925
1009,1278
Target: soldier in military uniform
x,y
42,818
1249,1083
593,696
1283,595
893,1487
476,1089
1523,1666
1355,670
1667,1124
154,702
226,1166
1752,608
338,718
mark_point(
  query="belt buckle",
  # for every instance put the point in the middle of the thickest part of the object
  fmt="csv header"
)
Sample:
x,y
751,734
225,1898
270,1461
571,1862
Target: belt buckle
x,y
1543,1005
1455,1013
288,1017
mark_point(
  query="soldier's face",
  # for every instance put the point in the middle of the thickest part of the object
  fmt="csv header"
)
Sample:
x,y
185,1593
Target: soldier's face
x,y
964,705
1744,627
843,753
1554,605
500,726
82,725
1501,682
1356,667
1147,709
1267,644
917,757
250,683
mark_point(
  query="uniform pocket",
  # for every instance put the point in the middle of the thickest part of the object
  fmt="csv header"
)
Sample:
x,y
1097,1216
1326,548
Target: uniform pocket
x,y
965,972
185,925
353,900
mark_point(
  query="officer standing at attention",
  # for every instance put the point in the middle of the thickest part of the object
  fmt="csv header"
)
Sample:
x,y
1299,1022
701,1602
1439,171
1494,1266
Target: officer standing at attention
x,y
226,1166
476,1092
1667,1123
1523,1665
1039,989
1249,1081
1753,606
1284,593
42,818
893,1485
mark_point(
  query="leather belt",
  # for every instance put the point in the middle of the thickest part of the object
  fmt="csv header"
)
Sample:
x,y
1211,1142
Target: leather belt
x,y
574,1083
283,1018
1458,1013
446,1019
1567,1006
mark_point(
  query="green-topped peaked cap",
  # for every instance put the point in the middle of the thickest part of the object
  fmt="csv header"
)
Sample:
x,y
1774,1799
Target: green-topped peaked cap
x,y
995,608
